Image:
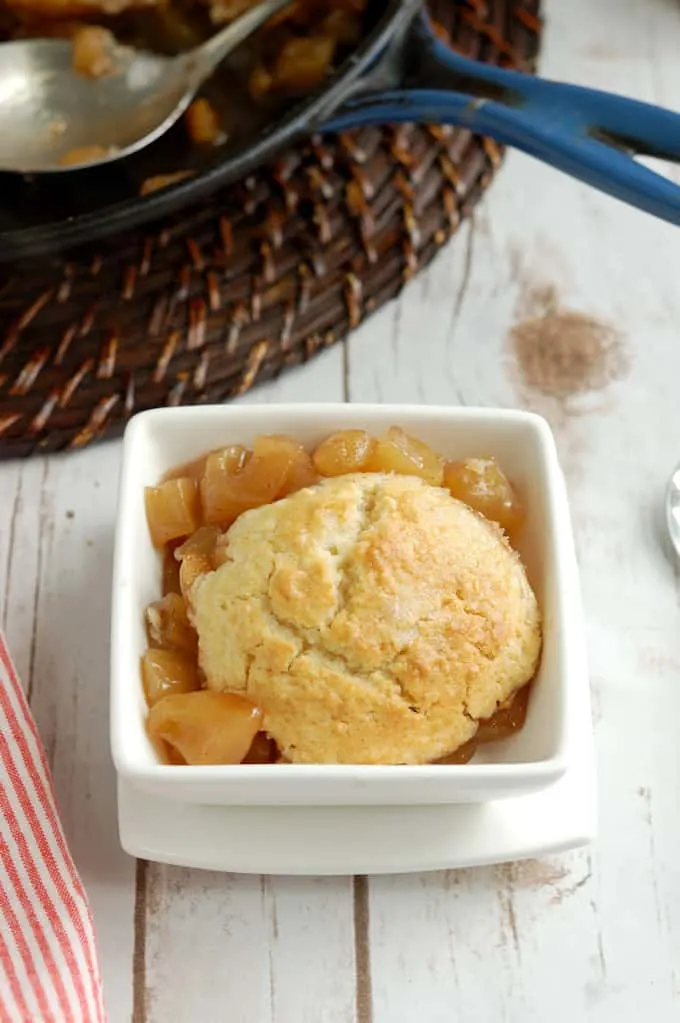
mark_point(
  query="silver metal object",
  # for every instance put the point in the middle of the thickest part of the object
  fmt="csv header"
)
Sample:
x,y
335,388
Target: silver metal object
x,y
673,510
48,110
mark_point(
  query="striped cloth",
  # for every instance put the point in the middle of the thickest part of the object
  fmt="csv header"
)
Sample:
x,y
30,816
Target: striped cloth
x,y
49,971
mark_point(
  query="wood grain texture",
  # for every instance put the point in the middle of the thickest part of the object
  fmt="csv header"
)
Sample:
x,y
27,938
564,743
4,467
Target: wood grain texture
x,y
270,949
362,951
594,936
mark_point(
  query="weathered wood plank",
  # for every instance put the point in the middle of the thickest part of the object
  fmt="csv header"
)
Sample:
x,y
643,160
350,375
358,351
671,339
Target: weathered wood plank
x,y
28,518
562,940
271,950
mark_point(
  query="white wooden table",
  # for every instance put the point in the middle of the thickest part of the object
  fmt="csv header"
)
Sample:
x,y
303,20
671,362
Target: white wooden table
x,y
591,936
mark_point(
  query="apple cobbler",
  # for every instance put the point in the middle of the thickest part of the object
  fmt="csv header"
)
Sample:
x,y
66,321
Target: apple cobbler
x,y
359,603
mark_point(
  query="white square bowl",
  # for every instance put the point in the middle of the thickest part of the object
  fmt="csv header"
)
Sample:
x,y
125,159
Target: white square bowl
x,y
529,761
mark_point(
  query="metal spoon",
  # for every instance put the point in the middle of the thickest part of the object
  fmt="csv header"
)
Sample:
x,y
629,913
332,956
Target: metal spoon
x,y
48,110
673,510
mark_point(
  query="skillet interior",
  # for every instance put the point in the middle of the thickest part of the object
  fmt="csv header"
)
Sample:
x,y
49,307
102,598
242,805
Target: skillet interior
x,y
52,212
246,282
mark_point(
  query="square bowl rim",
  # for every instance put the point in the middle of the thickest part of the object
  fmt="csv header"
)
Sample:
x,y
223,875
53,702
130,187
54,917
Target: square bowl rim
x,y
135,439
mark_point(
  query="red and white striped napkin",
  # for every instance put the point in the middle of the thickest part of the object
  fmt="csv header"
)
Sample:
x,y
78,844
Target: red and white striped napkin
x,y
49,972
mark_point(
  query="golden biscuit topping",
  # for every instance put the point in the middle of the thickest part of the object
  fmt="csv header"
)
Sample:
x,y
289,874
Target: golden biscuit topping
x,y
374,619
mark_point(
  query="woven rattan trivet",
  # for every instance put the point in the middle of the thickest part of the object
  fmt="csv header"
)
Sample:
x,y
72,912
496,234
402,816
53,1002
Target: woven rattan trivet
x,y
258,279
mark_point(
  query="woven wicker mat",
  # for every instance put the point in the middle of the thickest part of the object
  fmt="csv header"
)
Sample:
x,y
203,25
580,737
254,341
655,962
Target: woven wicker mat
x,y
265,274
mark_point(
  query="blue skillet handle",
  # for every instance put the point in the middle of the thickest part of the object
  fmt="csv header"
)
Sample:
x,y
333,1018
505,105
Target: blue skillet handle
x,y
563,125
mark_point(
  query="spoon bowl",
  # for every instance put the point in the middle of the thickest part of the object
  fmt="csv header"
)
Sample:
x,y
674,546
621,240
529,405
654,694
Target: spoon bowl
x,y
55,120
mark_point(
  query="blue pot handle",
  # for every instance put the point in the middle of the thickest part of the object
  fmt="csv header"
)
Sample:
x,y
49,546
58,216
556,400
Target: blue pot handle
x,y
583,132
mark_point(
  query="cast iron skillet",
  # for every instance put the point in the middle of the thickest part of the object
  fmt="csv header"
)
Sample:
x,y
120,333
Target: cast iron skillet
x,y
105,201
400,72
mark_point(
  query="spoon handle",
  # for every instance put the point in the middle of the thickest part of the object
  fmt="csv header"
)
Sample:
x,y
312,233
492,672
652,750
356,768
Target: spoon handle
x,y
205,58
